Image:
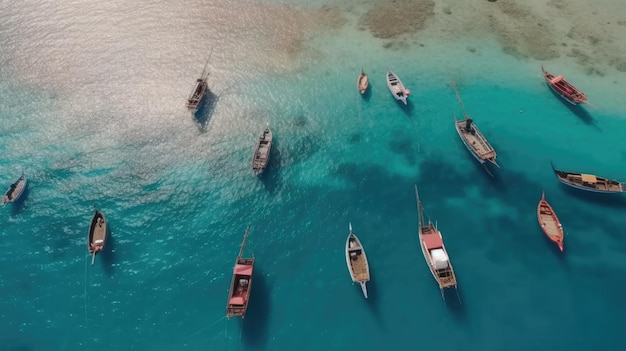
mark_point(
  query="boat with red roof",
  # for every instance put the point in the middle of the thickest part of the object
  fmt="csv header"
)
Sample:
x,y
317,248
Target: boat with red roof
x,y
240,287
549,222
434,251
564,88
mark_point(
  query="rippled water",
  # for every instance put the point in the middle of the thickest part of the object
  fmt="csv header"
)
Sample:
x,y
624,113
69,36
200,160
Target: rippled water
x,y
92,109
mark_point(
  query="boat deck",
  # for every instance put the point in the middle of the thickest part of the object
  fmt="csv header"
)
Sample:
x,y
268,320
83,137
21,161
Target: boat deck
x,y
548,223
99,232
591,181
359,265
476,141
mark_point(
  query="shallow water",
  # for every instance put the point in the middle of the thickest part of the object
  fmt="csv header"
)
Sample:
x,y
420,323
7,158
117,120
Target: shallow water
x,y
92,109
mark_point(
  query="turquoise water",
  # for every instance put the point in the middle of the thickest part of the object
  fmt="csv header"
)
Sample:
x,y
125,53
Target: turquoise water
x,y
92,109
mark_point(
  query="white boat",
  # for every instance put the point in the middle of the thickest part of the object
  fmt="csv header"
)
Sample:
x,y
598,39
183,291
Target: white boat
x,y
356,261
15,190
396,87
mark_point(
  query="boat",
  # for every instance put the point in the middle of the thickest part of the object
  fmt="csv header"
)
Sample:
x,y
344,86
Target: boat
x,y
199,89
434,250
474,140
564,88
362,83
589,182
241,285
261,155
15,190
549,222
356,260
397,88
97,234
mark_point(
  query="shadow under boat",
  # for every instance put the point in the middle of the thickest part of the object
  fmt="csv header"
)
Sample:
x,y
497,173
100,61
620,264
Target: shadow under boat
x,y
108,254
254,327
454,302
18,204
578,110
205,110
616,200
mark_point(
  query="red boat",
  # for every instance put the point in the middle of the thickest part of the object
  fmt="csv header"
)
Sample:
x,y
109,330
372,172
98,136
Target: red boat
x,y
549,222
239,293
564,88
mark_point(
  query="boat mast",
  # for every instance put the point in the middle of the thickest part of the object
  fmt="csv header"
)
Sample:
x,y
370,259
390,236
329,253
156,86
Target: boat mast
x,y
243,244
458,97
206,64
419,208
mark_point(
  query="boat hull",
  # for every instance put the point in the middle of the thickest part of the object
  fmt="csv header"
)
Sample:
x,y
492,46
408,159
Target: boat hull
x,y
395,88
364,276
593,190
550,223
19,184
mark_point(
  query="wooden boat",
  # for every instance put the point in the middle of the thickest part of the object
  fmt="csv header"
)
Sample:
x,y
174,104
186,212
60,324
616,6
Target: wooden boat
x,y
362,83
474,140
97,234
549,222
199,89
564,88
261,155
588,182
15,190
241,285
434,251
356,260
397,88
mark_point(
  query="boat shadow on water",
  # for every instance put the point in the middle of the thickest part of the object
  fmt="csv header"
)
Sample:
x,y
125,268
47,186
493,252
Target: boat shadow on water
x,y
107,259
254,325
205,111
372,300
367,95
453,298
579,111
606,200
270,178
18,205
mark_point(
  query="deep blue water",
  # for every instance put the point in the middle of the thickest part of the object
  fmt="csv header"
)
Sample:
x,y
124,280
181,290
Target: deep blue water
x,y
92,109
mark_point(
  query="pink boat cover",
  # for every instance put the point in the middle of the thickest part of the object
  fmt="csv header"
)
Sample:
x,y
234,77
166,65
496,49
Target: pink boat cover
x,y
432,241
243,269
556,79
237,300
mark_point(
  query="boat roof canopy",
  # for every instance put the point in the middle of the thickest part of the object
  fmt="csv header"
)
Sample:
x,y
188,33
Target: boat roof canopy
x,y
243,269
432,241
589,178
237,300
556,79
440,258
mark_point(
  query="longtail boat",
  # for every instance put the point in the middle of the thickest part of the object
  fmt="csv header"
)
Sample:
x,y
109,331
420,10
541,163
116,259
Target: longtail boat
x,y
564,88
397,88
15,190
549,222
356,261
261,155
434,251
589,182
97,234
362,82
199,89
240,287
475,142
